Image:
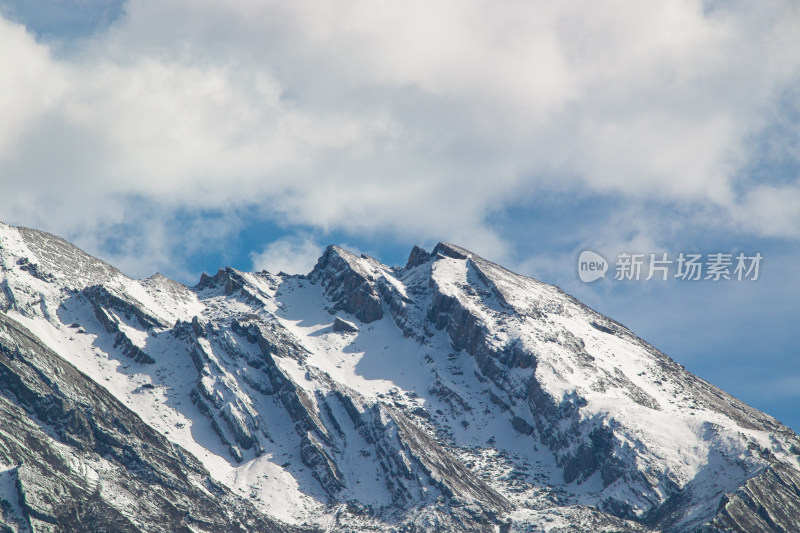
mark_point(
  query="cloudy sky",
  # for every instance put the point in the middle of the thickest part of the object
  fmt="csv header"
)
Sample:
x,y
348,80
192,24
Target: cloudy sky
x,y
179,136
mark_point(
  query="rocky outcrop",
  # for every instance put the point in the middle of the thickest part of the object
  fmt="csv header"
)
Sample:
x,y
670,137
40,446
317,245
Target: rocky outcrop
x,y
418,256
769,501
86,463
349,285
34,270
226,278
446,472
450,250
497,404
58,260
103,303
341,325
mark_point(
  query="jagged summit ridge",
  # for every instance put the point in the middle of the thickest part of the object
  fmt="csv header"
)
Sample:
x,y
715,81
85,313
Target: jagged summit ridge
x,y
447,395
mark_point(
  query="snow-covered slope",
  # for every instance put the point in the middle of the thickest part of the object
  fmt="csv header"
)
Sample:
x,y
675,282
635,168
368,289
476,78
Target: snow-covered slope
x,y
449,394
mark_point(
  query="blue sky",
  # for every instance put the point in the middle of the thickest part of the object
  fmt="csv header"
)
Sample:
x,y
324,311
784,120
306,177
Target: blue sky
x,y
180,136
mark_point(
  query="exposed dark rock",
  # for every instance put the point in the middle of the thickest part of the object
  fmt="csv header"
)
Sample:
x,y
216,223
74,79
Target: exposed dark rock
x,y
507,358
343,326
322,466
198,328
769,501
46,404
121,340
417,257
34,270
103,303
102,298
450,475
226,278
66,263
350,287
601,327
450,250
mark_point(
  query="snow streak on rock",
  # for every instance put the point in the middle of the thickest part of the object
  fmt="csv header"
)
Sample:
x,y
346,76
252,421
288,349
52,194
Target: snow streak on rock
x,y
446,395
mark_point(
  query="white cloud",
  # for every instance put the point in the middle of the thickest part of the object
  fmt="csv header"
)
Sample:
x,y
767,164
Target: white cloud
x,y
382,116
772,210
292,255
24,98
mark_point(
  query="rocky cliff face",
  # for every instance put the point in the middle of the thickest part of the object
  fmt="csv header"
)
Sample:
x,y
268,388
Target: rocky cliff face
x,y
446,395
79,460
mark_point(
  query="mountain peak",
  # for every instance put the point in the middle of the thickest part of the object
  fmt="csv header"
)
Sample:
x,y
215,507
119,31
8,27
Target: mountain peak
x,y
417,257
451,250
449,395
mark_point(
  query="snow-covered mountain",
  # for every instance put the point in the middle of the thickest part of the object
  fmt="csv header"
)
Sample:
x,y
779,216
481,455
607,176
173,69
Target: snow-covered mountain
x,y
446,395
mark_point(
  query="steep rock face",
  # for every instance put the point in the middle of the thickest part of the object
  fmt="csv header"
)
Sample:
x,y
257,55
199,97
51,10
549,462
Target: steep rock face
x,y
106,306
349,283
583,446
446,395
343,326
60,262
560,414
417,257
766,502
83,461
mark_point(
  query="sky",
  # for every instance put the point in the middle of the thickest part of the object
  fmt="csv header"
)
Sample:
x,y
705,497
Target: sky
x,y
181,136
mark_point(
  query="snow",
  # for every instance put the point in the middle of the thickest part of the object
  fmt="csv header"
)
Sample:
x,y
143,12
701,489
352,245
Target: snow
x,y
411,370
13,514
